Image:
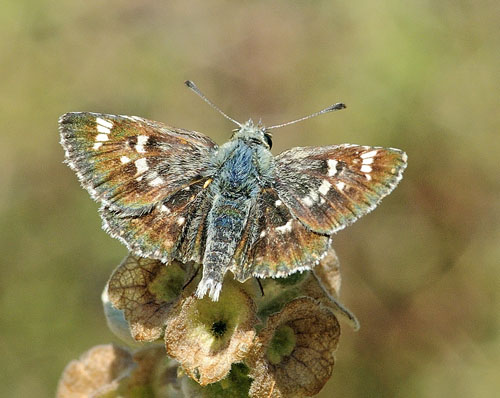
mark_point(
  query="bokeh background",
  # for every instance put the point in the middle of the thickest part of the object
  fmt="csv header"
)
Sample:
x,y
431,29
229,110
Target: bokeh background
x,y
422,272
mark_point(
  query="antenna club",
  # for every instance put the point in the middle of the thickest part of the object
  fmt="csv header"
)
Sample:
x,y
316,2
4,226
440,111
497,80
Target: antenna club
x,y
335,107
331,108
190,84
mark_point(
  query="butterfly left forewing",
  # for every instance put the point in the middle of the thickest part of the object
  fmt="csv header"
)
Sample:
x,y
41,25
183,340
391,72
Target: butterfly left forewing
x,y
328,188
129,163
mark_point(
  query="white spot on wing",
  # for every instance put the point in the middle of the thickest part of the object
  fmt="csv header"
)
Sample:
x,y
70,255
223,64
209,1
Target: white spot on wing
x,y
141,165
367,160
181,220
104,123
102,129
101,137
368,177
157,181
332,167
141,141
285,228
369,154
124,159
324,187
366,169
278,203
263,233
96,146
313,195
340,185
308,201
165,209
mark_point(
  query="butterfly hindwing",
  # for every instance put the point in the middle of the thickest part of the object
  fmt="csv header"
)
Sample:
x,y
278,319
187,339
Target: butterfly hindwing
x,y
130,163
159,232
328,188
279,244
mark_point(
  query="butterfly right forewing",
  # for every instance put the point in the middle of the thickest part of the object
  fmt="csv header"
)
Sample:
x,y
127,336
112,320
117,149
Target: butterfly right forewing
x,y
328,188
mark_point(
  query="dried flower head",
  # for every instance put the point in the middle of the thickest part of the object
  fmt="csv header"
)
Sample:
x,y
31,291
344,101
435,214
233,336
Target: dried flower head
x,y
145,290
95,373
207,337
110,372
294,354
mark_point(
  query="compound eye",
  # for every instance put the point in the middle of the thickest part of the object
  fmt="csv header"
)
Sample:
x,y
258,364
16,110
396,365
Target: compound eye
x,y
268,139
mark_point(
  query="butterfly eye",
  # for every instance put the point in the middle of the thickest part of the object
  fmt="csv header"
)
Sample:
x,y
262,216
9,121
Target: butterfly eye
x,y
269,141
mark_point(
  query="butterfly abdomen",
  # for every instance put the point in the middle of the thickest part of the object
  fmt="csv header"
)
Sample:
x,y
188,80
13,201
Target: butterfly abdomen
x,y
225,223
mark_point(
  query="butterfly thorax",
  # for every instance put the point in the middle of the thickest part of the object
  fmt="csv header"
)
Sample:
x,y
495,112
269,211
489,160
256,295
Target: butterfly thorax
x,y
243,162
238,173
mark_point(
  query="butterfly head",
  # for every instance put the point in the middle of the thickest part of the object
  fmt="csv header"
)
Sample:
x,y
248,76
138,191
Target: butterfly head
x,y
253,134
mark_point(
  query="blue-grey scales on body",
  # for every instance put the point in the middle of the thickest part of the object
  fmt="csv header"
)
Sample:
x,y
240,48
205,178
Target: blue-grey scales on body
x,y
242,167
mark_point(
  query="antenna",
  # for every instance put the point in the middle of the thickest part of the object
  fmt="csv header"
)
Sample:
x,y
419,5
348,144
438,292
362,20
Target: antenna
x,y
195,88
335,107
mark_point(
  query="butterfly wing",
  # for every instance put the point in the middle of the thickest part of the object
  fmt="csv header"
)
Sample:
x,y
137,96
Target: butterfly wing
x,y
129,163
274,243
149,178
316,192
166,231
328,188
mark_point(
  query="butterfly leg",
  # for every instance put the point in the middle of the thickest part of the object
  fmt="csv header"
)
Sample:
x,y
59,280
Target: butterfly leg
x,y
195,273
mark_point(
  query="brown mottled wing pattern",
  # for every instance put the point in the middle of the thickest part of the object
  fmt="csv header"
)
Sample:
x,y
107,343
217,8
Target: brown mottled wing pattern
x,y
130,163
316,192
150,179
328,188
275,243
160,232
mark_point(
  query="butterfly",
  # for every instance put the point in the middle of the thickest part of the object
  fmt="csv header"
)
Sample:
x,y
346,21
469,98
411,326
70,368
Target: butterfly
x,y
169,193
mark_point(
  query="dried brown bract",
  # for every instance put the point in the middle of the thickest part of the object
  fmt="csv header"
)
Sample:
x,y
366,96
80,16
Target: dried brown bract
x,y
145,290
95,373
294,354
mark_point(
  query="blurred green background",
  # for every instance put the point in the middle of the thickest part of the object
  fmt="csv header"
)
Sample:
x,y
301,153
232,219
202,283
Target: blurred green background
x,y
422,272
